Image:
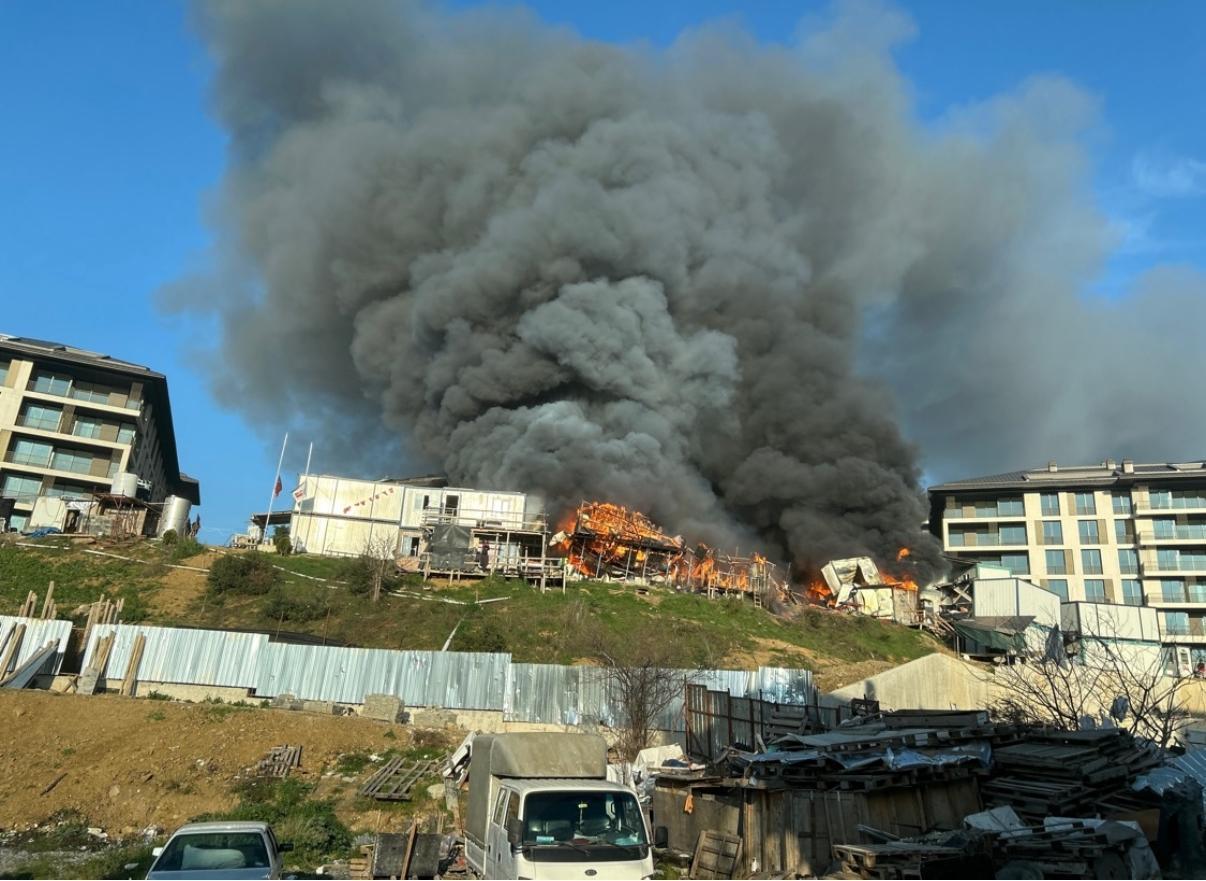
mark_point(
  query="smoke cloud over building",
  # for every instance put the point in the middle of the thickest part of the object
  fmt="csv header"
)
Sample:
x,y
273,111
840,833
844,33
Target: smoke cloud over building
x,y
733,285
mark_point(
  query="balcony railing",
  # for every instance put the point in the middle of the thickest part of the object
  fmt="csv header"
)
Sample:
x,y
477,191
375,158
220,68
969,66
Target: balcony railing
x,y
1188,532
40,424
494,520
986,541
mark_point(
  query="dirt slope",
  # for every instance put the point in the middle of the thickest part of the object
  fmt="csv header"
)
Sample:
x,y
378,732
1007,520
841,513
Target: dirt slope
x,y
131,763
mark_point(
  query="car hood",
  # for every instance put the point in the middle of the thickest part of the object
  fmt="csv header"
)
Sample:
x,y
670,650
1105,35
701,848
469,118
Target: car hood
x,y
232,874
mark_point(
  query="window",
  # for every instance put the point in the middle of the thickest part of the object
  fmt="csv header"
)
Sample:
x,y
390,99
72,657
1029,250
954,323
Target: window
x,y
500,808
1168,559
1017,564
28,452
17,522
1053,532
86,426
1165,527
1050,504
1197,592
87,391
1091,560
986,508
1057,562
1089,534
51,383
1085,503
584,821
69,490
1058,586
210,853
4,372
1128,561
1172,590
1132,592
72,460
1176,623
1121,502
1013,534
1010,508
16,486
1122,532
41,417
125,433
1095,591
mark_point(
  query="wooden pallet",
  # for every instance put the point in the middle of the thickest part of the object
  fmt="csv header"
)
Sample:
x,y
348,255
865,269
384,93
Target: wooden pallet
x,y
717,855
279,761
394,780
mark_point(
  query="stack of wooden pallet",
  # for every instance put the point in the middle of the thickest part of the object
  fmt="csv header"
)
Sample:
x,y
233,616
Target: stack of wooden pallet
x,y
393,782
895,859
1065,773
279,761
1075,849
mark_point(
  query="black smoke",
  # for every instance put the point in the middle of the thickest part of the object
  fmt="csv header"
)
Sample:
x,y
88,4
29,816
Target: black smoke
x,y
707,281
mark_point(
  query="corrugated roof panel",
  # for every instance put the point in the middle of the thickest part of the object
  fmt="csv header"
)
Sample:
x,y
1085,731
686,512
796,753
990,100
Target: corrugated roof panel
x,y
37,634
177,655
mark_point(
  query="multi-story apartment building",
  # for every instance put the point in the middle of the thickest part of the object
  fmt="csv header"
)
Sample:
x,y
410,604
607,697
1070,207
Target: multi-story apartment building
x,y
1115,532
70,420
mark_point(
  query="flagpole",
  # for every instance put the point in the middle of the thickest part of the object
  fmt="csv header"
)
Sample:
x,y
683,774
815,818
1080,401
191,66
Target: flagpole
x,y
272,494
306,478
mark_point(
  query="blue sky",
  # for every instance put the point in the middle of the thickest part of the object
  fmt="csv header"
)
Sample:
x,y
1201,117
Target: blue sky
x,y
108,155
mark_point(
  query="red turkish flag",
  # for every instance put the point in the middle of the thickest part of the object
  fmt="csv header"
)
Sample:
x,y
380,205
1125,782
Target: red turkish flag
x,y
277,491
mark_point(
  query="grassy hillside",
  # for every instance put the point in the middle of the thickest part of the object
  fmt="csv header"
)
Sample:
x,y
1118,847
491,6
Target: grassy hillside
x,y
553,627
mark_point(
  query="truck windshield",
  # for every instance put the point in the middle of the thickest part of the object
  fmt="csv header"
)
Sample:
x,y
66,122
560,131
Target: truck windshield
x,y
606,825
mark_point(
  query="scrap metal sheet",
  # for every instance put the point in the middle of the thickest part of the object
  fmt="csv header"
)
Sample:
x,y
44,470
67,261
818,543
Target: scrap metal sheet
x,y
181,656
37,634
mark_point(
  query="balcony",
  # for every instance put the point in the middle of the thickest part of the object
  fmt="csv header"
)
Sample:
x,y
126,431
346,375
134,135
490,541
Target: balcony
x,y
127,408
1182,567
492,521
991,543
1188,533
1184,506
66,466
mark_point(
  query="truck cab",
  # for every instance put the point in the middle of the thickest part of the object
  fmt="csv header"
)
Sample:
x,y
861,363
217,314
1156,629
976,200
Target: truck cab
x,y
540,806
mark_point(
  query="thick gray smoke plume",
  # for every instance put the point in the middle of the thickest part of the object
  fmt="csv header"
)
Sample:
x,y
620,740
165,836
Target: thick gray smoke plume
x,y
662,278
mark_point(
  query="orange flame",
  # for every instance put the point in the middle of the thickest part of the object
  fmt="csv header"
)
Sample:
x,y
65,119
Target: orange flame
x,y
901,554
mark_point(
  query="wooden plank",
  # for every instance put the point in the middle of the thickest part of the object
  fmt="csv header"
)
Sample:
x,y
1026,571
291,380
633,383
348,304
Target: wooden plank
x,y
717,855
130,681
16,637
48,604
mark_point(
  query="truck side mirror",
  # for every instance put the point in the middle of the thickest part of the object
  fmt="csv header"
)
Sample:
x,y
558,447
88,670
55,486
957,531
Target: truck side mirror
x,y
514,831
661,837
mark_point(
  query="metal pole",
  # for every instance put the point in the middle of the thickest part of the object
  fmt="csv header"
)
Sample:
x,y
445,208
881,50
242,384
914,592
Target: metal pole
x,y
310,522
272,494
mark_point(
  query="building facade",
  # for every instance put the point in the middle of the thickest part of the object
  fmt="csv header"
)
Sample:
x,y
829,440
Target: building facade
x,y
72,420
1126,533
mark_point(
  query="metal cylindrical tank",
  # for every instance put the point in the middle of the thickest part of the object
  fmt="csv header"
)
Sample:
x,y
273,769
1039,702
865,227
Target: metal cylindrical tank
x,y
175,515
125,483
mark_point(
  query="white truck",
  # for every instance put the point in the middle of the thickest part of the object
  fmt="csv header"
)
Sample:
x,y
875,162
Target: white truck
x,y
541,806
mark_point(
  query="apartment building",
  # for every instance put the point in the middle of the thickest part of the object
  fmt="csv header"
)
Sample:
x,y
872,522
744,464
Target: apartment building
x,y
71,420
1115,532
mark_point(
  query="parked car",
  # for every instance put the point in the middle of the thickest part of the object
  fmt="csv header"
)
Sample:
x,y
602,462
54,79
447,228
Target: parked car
x,y
220,850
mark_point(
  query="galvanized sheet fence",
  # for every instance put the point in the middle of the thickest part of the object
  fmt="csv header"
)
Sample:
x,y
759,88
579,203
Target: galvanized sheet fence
x,y
547,693
37,634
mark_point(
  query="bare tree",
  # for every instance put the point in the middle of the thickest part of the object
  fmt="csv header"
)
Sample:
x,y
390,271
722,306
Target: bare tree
x,y
379,563
1100,679
642,672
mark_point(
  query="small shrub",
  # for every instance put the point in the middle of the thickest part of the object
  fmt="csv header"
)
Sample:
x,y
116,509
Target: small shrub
x,y
295,604
481,635
157,696
247,573
169,538
352,763
185,548
357,574
282,541
156,716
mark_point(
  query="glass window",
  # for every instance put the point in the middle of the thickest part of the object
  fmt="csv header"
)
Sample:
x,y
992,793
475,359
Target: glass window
x,y
1176,623
42,417
1050,504
1161,498
986,508
1121,502
51,383
1017,564
4,372
588,820
1089,533
87,391
69,490
1128,561
1058,586
1168,558
1197,592
1165,527
30,452
1091,560
1132,592
1010,508
1057,563
1172,590
125,433
1086,503
17,486
1122,532
72,460
1095,591
1014,534
87,426
17,522
1053,532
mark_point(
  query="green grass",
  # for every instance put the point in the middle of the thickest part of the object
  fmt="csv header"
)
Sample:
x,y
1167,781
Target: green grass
x,y
533,627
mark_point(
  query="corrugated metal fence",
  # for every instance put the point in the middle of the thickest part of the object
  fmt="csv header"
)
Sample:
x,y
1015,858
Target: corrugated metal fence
x,y
546,693
37,634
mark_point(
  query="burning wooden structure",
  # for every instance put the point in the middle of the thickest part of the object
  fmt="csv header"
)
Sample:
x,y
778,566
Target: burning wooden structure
x,y
608,541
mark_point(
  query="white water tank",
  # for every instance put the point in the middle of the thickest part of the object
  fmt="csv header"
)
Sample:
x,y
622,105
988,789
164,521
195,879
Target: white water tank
x,y
125,483
175,515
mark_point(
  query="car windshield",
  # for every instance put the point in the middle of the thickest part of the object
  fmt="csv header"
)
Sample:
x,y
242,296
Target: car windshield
x,y
212,851
583,818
